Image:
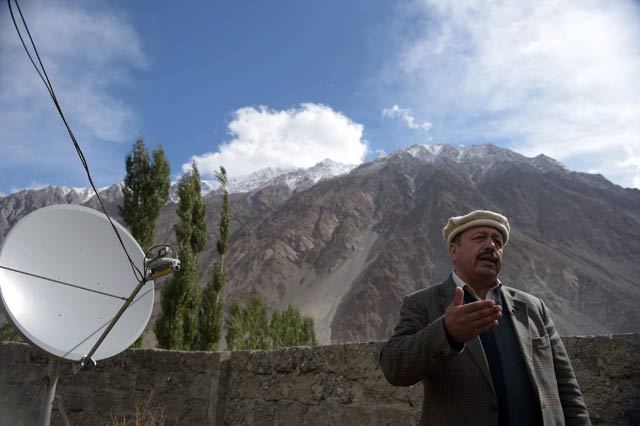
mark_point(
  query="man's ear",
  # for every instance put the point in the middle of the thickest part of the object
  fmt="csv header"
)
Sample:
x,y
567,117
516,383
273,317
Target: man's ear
x,y
453,252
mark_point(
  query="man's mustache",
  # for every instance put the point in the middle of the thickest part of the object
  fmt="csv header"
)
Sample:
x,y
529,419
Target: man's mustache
x,y
489,255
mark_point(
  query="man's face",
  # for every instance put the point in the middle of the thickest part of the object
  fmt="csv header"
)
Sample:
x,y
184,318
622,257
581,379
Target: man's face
x,y
478,258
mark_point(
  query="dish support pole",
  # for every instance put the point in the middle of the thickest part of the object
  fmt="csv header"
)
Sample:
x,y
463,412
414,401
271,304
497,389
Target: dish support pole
x,y
50,394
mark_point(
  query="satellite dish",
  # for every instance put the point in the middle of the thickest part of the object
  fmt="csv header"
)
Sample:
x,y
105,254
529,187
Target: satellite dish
x,y
64,277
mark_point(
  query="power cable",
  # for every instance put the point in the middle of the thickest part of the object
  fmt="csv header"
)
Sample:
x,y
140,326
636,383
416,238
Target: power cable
x,y
162,266
45,79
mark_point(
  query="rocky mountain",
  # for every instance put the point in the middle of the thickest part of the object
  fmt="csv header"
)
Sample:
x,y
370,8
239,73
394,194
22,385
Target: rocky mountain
x,y
15,206
296,179
346,248
19,204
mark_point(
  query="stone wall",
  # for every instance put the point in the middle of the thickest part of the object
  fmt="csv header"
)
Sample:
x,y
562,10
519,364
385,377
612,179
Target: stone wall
x,y
326,385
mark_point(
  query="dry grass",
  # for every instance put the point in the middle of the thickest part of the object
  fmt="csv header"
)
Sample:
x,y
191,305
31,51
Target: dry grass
x,y
147,414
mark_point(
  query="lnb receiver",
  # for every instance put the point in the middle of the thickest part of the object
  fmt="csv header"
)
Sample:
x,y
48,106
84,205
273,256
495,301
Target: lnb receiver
x,y
162,264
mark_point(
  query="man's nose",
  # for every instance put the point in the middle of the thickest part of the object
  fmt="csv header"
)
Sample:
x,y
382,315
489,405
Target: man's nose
x,y
490,244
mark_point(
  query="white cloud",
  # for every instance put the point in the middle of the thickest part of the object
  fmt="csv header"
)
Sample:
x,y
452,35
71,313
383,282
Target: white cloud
x,y
380,153
406,115
547,76
88,49
631,167
631,162
299,137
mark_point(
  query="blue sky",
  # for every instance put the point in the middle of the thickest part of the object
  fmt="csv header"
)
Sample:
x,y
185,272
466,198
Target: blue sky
x,y
252,84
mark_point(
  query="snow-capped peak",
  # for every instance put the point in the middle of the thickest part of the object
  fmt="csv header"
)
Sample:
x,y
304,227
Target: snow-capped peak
x,y
327,169
292,177
85,194
480,157
424,152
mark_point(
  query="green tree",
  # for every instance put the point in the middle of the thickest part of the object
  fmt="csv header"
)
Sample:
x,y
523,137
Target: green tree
x,y
177,325
295,330
249,328
235,327
308,337
210,319
256,325
145,191
276,328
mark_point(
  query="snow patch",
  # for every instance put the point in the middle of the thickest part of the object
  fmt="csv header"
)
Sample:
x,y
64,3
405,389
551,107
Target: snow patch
x,y
291,177
480,158
83,194
434,149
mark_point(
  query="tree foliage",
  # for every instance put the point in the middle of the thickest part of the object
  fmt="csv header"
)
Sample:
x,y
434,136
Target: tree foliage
x,y
292,329
191,229
145,191
250,328
210,320
177,325
235,327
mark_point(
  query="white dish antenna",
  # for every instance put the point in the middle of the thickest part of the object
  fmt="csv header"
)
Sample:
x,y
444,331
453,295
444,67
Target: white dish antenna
x,y
65,277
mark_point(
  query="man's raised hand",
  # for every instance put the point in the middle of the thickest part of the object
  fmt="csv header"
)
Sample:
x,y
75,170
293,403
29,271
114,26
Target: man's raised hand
x,y
463,321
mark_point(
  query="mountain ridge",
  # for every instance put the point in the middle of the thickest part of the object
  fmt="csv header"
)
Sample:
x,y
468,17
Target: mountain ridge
x,y
347,248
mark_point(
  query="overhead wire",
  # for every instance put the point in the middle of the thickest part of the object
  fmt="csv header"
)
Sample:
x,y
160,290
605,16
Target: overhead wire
x,y
139,275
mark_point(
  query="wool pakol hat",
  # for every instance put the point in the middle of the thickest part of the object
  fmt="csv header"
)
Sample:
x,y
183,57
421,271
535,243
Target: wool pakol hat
x,y
457,224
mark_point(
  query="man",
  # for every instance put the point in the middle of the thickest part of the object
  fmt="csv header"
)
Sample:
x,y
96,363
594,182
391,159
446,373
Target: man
x,y
487,354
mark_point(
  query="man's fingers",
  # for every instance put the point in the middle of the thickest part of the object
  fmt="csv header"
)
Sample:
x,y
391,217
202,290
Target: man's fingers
x,y
458,299
476,306
464,321
481,322
481,313
487,327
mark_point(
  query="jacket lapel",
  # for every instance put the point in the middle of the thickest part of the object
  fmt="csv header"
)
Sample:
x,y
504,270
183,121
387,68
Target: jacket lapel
x,y
518,311
473,346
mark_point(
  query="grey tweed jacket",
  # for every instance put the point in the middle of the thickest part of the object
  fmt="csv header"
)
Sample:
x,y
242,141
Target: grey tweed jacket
x,y
458,389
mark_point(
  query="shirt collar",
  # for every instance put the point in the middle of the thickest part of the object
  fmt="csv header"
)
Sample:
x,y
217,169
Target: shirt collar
x,y
491,294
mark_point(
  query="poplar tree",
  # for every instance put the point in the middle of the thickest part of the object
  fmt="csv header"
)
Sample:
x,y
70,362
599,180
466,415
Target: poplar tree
x,y
210,320
235,328
249,327
308,337
177,325
294,329
145,191
276,328
256,325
